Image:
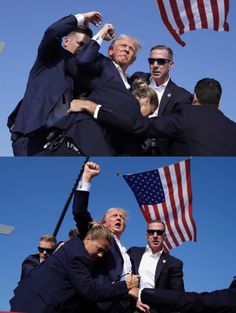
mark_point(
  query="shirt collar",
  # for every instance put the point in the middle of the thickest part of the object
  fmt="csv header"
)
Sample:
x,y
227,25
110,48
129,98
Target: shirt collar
x,y
149,251
153,83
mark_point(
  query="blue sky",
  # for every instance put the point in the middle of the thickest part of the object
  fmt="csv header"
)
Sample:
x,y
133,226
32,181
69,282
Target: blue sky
x,y
34,191
23,22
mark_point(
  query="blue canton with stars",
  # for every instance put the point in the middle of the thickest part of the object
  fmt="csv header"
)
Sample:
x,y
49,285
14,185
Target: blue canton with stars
x,y
147,187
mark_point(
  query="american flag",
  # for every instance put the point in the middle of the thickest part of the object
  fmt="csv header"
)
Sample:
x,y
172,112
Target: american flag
x,y
166,194
181,16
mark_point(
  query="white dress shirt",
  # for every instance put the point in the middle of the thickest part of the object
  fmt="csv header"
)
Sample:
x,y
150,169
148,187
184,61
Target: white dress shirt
x,y
147,268
159,91
127,268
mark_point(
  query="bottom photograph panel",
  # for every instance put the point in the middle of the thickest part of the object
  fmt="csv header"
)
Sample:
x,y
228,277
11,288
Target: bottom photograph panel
x,y
82,234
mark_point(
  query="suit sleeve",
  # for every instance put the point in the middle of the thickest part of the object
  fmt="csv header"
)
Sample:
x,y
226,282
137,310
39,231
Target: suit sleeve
x,y
176,276
80,212
166,126
51,43
90,289
28,265
215,301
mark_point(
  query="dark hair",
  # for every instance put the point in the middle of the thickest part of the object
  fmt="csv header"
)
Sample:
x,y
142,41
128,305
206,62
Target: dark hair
x,y
208,91
156,221
73,233
84,30
163,47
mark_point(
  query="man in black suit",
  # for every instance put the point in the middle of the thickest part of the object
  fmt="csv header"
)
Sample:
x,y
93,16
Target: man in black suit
x,y
169,94
116,263
49,87
156,268
47,245
197,130
65,282
218,301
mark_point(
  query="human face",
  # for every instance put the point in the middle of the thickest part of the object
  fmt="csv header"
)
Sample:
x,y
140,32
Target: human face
x,y
160,73
145,106
95,248
44,254
115,221
123,52
75,41
154,240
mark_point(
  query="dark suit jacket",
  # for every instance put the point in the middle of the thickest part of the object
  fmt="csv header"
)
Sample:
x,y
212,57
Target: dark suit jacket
x,y
94,140
29,264
200,130
169,270
219,301
173,96
110,267
47,81
64,284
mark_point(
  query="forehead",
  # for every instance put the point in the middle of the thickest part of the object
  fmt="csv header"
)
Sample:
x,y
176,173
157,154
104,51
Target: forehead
x,y
100,243
115,211
156,226
126,41
159,53
46,244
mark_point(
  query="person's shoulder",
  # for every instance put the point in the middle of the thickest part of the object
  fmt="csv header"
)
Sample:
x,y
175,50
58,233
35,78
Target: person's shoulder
x,y
172,259
31,258
179,88
135,249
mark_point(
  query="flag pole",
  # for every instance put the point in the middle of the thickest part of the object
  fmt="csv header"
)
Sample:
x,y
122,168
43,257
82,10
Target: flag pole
x,y
63,213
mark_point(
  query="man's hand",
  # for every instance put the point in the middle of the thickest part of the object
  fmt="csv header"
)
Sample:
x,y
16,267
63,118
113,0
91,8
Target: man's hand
x,y
107,32
92,17
132,281
82,105
142,307
91,170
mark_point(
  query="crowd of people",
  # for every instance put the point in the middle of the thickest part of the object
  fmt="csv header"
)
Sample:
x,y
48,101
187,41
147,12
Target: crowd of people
x,y
94,272
81,102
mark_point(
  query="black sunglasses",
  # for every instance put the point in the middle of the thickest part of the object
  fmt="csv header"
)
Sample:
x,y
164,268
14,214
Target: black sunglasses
x,y
159,232
160,61
48,250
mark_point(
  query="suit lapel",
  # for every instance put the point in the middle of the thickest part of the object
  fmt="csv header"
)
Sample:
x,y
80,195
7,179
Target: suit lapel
x,y
167,95
161,263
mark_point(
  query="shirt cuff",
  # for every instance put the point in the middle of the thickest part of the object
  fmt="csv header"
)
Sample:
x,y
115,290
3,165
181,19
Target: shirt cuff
x,y
80,19
95,115
83,186
98,39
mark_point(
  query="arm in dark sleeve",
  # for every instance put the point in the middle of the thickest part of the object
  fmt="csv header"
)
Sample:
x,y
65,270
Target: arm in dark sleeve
x,y
165,126
28,265
176,281
216,301
51,44
80,212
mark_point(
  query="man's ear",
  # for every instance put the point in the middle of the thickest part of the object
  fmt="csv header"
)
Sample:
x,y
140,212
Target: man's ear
x,y
66,41
195,99
110,52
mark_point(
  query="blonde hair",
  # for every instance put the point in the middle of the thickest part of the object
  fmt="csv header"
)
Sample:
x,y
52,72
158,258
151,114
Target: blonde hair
x,y
140,89
99,231
48,238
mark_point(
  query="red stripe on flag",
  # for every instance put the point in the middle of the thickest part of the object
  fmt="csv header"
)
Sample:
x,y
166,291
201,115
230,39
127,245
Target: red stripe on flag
x,y
166,21
216,17
172,200
177,17
189,13
146,213
181,199
202,13
189,190
167,222
226,25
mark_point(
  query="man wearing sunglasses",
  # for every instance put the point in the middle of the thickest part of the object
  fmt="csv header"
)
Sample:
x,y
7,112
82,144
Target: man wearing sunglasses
x,y
46,247
156,268
169,94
